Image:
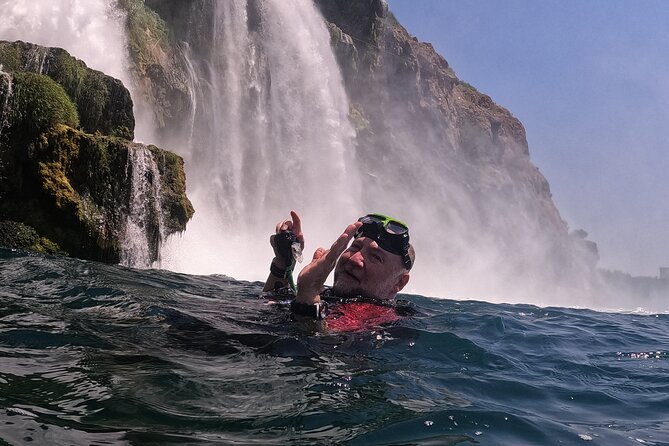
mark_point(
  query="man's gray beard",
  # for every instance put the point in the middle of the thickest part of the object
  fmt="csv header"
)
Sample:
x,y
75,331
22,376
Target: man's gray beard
x,y
353,292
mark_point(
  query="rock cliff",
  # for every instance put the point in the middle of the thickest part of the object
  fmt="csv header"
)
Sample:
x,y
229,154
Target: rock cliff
x,y
65,158
407,100
429,145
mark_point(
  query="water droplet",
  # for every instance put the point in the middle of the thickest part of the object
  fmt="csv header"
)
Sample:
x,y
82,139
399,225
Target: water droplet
x,y
429,423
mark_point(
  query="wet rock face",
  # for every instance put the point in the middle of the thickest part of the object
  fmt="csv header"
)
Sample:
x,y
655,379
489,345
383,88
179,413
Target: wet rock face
x,y
65,159
103,103
159,63
413,103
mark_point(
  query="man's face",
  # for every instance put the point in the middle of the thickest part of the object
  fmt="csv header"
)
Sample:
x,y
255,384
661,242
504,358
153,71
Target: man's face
x,y
366,269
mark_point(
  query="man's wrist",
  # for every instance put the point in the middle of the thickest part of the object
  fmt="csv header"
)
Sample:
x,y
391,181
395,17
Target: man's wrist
x,y
316,310
307,298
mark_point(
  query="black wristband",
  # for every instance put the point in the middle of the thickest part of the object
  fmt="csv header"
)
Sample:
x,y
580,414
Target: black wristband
x,y
317,310
281,273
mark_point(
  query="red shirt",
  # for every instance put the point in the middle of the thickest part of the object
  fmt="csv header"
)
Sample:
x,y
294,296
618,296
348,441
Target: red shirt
x,y
358,316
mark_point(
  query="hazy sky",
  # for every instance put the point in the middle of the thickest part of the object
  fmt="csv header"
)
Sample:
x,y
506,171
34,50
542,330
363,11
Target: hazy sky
x,y
590,82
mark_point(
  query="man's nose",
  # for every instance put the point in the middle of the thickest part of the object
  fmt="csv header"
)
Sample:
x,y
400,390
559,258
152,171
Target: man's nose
x,y
358,259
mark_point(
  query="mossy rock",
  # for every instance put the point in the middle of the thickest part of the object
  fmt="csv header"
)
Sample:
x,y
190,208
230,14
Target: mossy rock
x,y
75,188
65,165
38,103
148,36
176,206
21,236
103,104
158,63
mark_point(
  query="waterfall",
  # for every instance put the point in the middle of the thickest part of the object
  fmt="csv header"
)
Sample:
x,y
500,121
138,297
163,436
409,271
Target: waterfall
x,y
271,134
93,31
144,228
6,91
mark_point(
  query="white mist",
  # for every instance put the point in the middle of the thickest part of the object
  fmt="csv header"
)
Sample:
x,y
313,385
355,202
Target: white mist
x,y
271,134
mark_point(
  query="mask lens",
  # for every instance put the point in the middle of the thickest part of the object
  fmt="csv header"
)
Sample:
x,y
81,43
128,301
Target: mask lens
x,y
371,219
396,228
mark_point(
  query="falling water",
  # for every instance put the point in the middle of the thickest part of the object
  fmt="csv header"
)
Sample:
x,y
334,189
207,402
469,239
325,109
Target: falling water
x,y
6,90
271,133
144,226
93,31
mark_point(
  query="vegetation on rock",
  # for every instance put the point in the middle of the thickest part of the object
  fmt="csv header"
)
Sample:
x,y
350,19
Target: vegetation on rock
x,y
38,104
147,34
21,236
65,158
158,65
103,103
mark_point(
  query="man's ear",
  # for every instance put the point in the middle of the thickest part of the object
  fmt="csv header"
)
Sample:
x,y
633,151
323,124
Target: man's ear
x,y
401,282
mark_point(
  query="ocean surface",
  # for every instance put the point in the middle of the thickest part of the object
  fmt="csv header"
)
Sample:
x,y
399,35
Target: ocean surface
x,y
93,354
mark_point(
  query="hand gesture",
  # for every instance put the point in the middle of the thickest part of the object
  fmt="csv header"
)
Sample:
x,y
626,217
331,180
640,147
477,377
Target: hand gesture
x,y
295,226
313,276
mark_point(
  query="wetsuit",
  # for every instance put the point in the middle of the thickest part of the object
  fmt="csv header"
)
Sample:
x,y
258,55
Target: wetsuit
x,y
349,314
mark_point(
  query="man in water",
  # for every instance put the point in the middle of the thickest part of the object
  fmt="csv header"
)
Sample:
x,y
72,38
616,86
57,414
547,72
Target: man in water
x,y
374,268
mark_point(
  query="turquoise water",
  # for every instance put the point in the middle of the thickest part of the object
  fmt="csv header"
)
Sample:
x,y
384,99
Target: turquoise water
x,y
99,354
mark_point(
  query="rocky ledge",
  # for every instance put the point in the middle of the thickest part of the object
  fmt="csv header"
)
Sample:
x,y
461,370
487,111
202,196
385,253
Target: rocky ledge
x,y
66,160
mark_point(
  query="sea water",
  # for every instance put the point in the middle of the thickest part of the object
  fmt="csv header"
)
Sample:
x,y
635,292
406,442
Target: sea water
x,y
100,354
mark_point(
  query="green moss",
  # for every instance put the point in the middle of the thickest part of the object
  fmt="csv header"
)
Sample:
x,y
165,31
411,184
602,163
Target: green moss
x,y
147,33
56,184
38,104
10,57
94,94
176,205
46,246
21,236
468,85
102,102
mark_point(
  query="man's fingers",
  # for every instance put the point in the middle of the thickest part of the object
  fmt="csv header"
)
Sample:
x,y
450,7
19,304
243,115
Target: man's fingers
x,y
297,223
284,226
342,242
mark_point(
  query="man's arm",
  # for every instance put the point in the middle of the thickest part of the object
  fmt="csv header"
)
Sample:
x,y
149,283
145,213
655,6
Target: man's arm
x,y
278,278
313,276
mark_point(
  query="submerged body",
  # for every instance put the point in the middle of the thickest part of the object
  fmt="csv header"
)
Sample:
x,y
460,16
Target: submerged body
x,y
350,314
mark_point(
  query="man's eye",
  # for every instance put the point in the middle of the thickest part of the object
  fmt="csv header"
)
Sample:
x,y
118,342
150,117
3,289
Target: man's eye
x,y
377,258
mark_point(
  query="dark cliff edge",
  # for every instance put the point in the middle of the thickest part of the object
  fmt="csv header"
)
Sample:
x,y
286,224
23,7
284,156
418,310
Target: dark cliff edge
x,y
65,143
